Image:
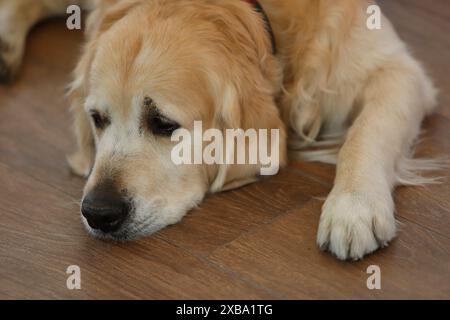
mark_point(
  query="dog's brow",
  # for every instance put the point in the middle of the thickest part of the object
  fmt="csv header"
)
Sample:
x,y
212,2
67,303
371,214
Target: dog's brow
x,y
148,102
151,108
91,110
90,104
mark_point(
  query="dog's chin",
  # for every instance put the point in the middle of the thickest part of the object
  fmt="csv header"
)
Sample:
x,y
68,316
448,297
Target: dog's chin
x,y
128,232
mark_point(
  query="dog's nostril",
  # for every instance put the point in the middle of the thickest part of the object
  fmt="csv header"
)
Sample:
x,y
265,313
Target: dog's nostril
x,y
105,209
105,218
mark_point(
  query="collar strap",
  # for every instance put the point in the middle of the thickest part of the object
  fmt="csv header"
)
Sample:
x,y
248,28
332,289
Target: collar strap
x,y
257,6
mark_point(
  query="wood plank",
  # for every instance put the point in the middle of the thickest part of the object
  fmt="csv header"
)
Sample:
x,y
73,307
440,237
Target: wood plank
x,y
283,256
34,113
32,143
425,29
256,242
429,205
43,235
224,217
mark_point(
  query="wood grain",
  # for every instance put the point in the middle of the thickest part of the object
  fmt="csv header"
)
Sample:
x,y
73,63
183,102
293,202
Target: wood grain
x,y
255,242
283,256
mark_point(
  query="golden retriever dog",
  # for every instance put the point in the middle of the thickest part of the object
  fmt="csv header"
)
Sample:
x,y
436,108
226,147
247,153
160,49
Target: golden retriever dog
x,y
336,90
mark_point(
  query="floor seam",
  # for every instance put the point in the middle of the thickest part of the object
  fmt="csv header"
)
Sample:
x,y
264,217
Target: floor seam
x,y
226,270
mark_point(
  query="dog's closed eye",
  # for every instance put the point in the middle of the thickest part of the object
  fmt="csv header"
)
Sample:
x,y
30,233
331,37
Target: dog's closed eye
x,y
157,123
162,126
100,121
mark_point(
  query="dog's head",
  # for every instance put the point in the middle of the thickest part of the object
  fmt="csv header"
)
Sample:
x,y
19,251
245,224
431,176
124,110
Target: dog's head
x,y
149,69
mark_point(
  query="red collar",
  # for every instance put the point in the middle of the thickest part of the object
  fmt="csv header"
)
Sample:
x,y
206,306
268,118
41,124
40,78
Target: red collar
x,y
257,6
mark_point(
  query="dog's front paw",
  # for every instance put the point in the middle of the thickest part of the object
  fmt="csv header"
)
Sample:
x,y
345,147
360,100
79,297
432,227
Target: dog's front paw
x,y
353,225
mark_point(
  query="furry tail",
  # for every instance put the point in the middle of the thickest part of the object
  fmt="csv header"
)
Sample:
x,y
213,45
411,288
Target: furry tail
x,y
411,172
325,150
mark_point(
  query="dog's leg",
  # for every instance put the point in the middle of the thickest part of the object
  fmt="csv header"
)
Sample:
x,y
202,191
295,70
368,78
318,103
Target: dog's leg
x,y
358,216
16,19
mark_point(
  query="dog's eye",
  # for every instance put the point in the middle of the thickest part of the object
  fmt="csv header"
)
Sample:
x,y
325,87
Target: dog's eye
x,y
161,125
158,123
99,120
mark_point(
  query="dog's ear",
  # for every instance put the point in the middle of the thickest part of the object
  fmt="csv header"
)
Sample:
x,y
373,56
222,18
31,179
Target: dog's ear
x,y
82,161
228,116
246,30
255,111
249,75
106,15
247,80
100,20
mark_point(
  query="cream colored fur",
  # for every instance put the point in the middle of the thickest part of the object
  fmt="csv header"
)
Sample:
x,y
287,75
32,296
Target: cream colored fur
x,y
356,94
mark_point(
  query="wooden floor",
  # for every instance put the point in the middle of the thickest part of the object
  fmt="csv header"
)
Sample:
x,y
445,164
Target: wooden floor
x,y
257,242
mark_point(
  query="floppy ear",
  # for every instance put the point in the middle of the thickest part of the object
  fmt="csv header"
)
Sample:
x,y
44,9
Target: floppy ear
x,y
82,160
100,20
246,109
256,111
228,116
245,87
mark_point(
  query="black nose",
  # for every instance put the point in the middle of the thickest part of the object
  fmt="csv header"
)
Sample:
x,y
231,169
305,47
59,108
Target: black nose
x,y
105,208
